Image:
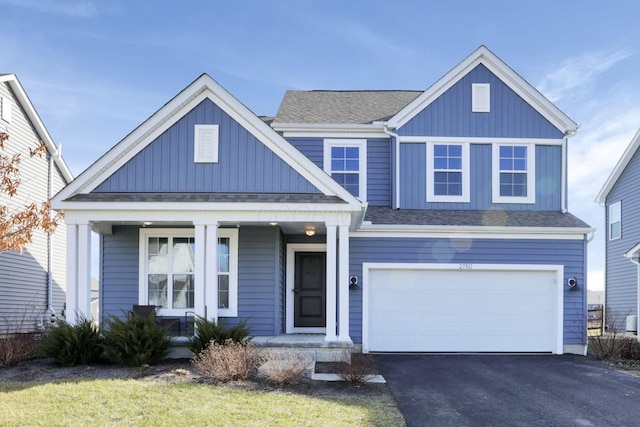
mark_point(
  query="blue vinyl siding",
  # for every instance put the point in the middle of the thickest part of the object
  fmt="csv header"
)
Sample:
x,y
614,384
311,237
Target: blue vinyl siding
x,y
413,179
245,164
621,277
450,114
378,165
570,253
119,271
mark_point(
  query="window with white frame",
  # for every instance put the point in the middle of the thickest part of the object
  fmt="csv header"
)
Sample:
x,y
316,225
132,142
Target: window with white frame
x,y
513,173
346,162
168,270
615,221
448,172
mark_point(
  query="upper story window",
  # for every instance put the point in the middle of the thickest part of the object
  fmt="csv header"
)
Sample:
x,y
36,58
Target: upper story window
x,y
346,162
615,221
447,172
513,173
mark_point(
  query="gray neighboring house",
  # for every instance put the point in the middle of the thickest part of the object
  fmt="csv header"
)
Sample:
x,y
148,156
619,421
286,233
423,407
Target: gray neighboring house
x,y
32,284
619,195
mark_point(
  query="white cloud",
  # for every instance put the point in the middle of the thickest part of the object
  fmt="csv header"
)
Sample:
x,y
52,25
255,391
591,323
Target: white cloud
x,y
577,72
74,8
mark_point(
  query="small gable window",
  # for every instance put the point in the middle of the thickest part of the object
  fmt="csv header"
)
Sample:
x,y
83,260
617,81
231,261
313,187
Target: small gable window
x,y
615,221
205,147
513,173
481,97
447,172
345,161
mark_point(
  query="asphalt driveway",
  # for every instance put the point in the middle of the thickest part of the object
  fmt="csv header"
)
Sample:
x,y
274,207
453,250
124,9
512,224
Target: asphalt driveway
x,y
510,390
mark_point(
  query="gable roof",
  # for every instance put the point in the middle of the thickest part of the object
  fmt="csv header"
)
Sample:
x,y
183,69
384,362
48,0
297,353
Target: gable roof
x,y
342,107
601,197
41,130
484,56
204,87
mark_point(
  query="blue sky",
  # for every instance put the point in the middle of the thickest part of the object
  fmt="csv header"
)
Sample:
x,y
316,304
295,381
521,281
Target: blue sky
x,y
95,70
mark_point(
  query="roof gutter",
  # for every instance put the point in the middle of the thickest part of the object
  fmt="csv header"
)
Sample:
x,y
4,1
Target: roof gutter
x,y
396,148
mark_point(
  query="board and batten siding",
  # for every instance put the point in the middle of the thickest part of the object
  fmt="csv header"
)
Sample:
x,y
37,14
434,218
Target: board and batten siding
x,y
378,164
24,277
450,114
621,277
119,271
244,165
570,253
414,181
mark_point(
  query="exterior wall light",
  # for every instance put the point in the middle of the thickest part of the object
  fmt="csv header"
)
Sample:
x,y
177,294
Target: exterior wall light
x,y
310,231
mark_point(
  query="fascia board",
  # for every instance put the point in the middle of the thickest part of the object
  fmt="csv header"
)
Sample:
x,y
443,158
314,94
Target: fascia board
x,y
324,129
484,56
633,252
624,160
32,114
201,88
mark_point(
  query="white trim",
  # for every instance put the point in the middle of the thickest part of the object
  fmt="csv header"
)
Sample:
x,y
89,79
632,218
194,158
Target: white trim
x,y
480,97
624,160
465,197
484,56
479,140
343,283
426,232
559,295
361,144
205,143
326,130
531,175
610,223
199,277
72,272
232,235
331,312
211,272
292,248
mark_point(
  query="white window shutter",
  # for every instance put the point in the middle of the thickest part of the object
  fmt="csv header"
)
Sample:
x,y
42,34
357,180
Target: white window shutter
x,y
205,149
481,98
6,106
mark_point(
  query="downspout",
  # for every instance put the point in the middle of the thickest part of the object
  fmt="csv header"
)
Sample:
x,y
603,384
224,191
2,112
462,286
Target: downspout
x,y
563,190
51,312
636,261
396,199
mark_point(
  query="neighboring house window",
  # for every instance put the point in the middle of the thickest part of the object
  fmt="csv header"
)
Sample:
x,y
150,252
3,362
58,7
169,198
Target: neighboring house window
x,y
6,105
168,270
346,162
513,173
447,172
615,221
205,148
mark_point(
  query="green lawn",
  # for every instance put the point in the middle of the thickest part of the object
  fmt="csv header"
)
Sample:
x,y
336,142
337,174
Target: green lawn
x,y
140,403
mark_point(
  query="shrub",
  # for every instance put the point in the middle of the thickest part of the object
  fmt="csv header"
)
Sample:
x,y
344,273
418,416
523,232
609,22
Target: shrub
x,y
70,345
17,347
226,362
207,331
362,368
283,367
136,341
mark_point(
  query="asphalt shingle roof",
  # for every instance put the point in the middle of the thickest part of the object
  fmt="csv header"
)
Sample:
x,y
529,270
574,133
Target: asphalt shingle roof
x,y
342,107
488,218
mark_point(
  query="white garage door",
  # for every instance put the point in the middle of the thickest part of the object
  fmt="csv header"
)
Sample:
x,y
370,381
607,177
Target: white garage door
x,y
462,308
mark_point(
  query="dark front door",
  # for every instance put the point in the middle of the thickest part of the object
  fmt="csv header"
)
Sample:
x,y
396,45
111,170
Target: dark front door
x,y
309,290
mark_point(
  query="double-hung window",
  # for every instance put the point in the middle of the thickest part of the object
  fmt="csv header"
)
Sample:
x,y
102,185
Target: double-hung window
x,y
615,221
448,172
346,162
167,270
514,173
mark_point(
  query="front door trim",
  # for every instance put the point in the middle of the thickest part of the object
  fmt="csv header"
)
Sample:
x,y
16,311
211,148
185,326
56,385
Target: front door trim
x,y
292,248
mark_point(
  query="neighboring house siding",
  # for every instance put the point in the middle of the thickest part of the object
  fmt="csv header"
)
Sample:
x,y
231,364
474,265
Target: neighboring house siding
x,y
450,114
244,163
621,274
378,165
119,278
24,277
570,253
413,179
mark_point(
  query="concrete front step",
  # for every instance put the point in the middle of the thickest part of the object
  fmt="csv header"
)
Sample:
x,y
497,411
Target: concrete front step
x,y
325,351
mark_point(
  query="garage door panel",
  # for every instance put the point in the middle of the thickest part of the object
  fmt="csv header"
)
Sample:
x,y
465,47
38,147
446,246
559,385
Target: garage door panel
x,y
453,310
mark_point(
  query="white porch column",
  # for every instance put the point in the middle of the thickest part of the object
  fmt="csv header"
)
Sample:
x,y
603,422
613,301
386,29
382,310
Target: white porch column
x,y
331,283
343,284
200,263
78,272
211,272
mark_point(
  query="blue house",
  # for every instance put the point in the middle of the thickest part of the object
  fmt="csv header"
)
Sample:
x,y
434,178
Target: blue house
x,y
619,195
386,220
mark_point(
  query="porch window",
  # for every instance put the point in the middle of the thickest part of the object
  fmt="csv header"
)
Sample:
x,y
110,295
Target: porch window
x,y
514,173
227,272
346,162
615,221
448,172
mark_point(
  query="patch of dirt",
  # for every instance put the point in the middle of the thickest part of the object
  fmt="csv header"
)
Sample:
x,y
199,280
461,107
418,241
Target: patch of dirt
x,y
174,371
